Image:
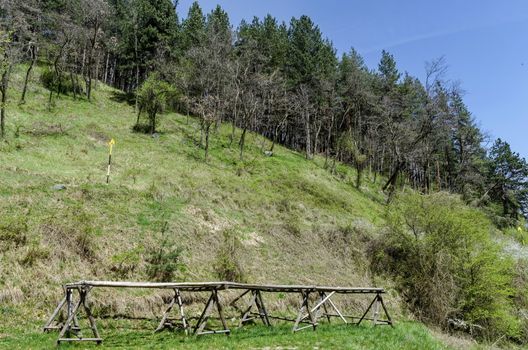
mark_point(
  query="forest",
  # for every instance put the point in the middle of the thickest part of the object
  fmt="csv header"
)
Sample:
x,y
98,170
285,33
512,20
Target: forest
x,y
281,80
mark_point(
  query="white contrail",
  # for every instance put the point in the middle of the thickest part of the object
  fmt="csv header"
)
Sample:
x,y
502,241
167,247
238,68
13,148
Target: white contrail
x,y
435,34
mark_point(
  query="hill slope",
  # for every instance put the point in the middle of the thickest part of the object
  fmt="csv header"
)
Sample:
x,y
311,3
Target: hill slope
x,y
292,220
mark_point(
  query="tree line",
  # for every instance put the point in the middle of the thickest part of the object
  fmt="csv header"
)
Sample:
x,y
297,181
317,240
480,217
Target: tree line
x,y
283,81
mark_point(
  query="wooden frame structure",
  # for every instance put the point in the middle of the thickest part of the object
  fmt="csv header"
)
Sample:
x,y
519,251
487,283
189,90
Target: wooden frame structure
x,y
75,300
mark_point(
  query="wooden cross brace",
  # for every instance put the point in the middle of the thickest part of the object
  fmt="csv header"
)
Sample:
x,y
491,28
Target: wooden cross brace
x,y
374,305
314,313
255,300
176,299
202,321
71,325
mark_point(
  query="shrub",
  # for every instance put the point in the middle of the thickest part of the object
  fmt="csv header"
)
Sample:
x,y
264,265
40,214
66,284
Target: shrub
x,y
125,263
227,265
446,265
84,236
13,233
165,261
63,86
34,253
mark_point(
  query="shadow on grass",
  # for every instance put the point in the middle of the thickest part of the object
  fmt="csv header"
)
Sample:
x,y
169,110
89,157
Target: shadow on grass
x,y
123,97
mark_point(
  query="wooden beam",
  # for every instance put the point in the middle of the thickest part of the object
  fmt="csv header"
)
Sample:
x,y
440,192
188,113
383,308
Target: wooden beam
x,y
368,309
48,325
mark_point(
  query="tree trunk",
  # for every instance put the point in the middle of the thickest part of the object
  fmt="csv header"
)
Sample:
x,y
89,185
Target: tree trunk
x,y
152,118
307,129
3,91
74,87
97,62
33,51
136,56
207,128
316,139
138,115
242,142
359,173
393,178
106,68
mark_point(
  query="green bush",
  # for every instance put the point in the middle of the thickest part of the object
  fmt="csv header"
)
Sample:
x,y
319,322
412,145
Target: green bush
x,y
446,265
125,263
13,233
165,260
33,254
227,265
64,85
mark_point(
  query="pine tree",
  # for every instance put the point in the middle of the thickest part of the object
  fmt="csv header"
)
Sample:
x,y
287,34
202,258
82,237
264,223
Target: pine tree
x,y
508,176
193,28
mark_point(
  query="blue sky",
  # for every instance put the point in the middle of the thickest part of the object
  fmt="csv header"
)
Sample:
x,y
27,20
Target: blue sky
x,y
484,42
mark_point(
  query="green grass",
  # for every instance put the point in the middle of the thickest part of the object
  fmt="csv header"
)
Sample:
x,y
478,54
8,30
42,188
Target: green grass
x,y
297,222
127,336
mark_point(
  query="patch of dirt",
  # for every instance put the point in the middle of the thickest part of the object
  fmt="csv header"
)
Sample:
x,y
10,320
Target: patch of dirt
x,y
42,129
207,219
254,240
95,135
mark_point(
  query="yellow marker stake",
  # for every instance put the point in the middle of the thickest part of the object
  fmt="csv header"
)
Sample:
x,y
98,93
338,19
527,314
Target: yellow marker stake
x,y
110,145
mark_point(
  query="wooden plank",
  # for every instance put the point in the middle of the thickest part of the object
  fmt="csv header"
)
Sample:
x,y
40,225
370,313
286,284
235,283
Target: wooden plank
x,y
69,320
97,340
368,309
337,310
204,286
247,311
221,331
220,312
262,309
89,315
54,315
304,304
203,317
161,325
182,314
386,312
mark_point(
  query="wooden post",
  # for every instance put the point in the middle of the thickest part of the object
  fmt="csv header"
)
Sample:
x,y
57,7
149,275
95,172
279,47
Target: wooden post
x,y
182,314
375,311
245,315
176,299
220,312
110,145
368,309
72,319
48,326
301,316
69,320
389,320
161,325
262,308
203,317
84,295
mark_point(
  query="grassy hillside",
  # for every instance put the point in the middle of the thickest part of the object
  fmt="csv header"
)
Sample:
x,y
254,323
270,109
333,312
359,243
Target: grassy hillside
x,y
296,222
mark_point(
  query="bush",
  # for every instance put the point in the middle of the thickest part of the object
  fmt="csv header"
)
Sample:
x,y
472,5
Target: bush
x,y
125,263
33,254
165,261
13,233
227,265
64,86
84,237
446,265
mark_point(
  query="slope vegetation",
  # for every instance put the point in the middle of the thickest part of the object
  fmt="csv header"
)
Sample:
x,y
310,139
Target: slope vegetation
x,y
291,220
